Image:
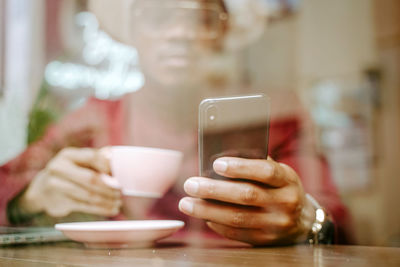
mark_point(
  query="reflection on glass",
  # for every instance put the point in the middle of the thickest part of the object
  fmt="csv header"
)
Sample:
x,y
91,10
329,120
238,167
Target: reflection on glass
x,y
109,67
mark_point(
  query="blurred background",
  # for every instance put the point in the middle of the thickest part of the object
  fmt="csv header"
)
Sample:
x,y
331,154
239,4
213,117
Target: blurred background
x,y
341,57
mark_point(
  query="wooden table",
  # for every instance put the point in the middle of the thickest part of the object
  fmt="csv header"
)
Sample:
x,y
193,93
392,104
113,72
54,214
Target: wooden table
x,y
198,252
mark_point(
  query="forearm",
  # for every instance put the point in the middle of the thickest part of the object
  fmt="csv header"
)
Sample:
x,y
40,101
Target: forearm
x,y
12,184
17,214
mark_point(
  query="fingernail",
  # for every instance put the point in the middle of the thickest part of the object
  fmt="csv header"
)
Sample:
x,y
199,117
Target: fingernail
x,y
186,206
191,186
220,165
110,181
209,224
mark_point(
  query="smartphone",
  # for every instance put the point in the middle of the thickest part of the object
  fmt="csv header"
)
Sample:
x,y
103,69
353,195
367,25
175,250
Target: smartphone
x,y
236,126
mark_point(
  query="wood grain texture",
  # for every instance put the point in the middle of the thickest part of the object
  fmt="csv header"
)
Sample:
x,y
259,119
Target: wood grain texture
x,y
195,252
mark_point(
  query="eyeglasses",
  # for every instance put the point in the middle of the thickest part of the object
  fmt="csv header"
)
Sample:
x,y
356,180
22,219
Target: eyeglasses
x,y
194,19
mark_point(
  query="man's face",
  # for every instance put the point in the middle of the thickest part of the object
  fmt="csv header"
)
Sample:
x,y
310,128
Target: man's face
x,y
173,39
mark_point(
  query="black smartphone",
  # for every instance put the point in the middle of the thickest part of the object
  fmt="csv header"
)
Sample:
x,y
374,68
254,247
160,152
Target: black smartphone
x,y
236,126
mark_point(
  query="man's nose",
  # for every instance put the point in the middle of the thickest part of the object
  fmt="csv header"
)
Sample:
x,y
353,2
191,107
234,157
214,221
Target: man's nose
x,y
180,32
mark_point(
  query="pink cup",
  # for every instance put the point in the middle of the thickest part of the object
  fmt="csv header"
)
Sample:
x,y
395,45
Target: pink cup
x,y
145,171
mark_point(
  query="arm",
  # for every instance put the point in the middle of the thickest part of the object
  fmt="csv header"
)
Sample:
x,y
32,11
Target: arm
x,y
293,144
19,172
94,125
267,205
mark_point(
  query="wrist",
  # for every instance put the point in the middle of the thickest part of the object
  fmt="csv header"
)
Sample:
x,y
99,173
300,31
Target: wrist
x,y
27,204
18,214
307,218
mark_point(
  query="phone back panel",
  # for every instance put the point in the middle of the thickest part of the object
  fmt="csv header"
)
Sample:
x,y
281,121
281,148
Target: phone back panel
x,y
232,126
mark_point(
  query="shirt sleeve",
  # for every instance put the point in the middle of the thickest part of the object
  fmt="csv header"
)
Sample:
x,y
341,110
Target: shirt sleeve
x,y
18,172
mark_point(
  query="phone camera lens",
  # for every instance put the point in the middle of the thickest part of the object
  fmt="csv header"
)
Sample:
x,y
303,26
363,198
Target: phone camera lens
x,y
211,115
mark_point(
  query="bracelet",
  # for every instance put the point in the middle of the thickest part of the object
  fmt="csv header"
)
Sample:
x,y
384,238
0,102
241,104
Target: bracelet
x,y
322,230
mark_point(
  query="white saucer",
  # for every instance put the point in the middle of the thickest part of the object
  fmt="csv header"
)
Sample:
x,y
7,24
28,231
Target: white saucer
x,y
134,193
119,234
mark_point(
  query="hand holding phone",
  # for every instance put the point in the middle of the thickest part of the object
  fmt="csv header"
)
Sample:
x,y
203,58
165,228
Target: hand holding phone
x,y
254,199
